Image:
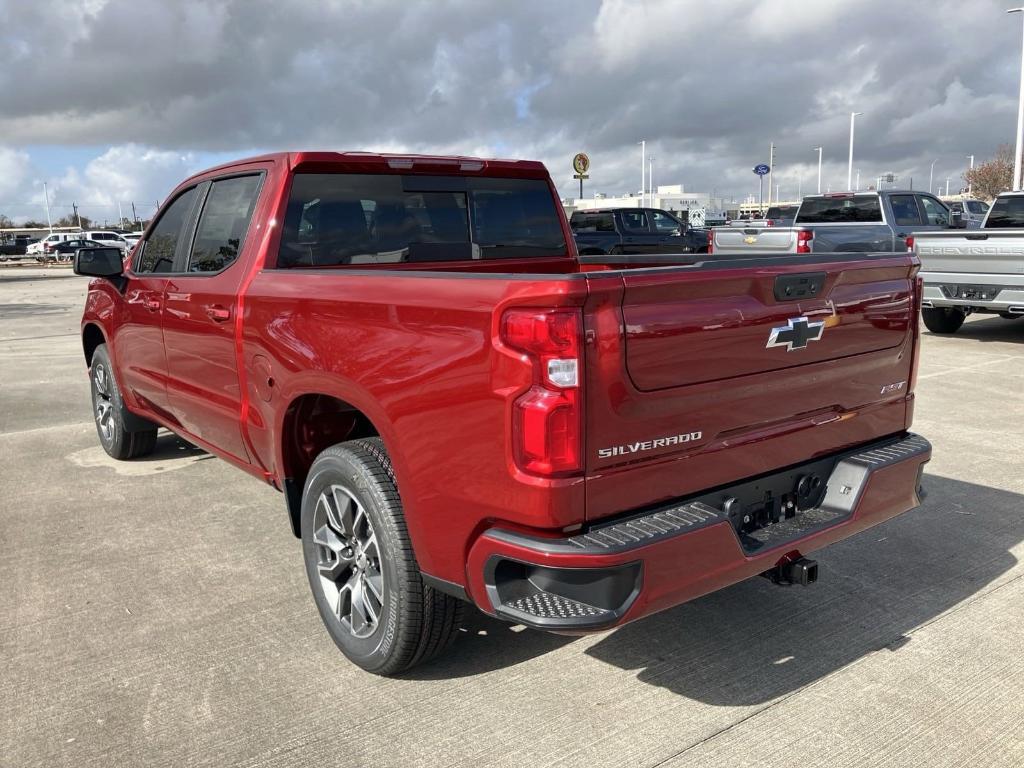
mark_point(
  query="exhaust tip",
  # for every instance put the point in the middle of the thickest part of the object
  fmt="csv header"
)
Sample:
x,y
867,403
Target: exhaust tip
x,y
1015,310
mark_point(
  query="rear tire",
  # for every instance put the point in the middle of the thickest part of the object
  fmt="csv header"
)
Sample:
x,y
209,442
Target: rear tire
x,y
109,412
361,566
943,319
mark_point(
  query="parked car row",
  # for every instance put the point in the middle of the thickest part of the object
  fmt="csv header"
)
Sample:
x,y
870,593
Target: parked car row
x,y
56,246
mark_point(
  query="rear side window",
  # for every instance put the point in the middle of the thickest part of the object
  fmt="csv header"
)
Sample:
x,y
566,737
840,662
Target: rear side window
x,y
337,219
975,206
634,221
1007,212
158,253
592,222
223,223
840,210
904,211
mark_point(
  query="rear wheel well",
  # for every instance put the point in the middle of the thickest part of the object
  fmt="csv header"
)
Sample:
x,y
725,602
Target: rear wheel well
x,y
92,337
312,423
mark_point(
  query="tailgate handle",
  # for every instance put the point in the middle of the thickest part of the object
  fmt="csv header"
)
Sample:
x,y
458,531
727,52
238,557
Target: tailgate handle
x,y
805,285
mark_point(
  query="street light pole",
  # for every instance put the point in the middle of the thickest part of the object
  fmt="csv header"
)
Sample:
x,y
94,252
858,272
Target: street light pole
x,y
819,169
650,176
771,167
849,170
46,199
858,181
931,176
1020,116
969,185
947,186
643,170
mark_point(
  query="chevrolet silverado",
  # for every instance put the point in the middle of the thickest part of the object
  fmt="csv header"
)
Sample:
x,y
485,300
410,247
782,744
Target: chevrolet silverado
x,y
977,271
842,221
457,409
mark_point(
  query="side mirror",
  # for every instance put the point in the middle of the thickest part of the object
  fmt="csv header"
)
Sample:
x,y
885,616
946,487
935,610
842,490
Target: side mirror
x,y
957,220
99,262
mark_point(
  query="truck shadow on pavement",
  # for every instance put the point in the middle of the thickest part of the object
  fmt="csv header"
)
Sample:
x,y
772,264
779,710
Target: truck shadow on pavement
x,y
753,642
990,329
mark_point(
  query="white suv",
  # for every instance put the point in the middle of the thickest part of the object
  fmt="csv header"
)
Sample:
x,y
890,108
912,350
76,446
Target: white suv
x,y
47,243
107,238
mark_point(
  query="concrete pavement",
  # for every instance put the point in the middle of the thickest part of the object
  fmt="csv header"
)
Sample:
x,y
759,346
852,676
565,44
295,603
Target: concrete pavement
x,y
156,613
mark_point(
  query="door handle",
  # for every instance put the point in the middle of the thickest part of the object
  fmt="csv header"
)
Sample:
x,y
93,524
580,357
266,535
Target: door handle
x,y
218,313
153,305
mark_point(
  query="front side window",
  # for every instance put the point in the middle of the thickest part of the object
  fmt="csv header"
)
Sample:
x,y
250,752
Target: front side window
x,y
935,212
664,223
158,251
348,219
223,223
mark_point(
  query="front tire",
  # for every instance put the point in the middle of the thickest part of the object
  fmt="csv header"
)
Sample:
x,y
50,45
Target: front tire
x,y
943,319
109,412
361,567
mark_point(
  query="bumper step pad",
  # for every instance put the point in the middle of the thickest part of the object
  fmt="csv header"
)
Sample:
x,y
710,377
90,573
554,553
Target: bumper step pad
x,y
545,605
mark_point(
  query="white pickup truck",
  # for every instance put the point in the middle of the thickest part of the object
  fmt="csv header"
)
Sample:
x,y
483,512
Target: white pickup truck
x,y
976,270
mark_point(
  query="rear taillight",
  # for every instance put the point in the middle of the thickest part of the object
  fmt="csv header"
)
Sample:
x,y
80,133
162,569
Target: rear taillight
x,y
915,322
910,243
711,241
769,222
803,240
546,418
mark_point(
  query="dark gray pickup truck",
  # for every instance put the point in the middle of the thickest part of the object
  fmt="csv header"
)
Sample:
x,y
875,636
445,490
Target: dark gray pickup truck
x,y
634,231
844,221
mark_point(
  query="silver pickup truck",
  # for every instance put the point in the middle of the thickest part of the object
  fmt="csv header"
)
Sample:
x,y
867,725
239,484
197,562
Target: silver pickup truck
x,y
980,270
845,221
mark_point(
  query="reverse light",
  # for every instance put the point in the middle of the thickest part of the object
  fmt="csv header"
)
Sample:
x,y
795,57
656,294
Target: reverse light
x,y
803,240
546,431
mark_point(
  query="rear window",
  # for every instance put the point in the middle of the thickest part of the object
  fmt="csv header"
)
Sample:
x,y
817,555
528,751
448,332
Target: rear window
x,y
592,222
338,218
975,206
781,212
1007,212
840,210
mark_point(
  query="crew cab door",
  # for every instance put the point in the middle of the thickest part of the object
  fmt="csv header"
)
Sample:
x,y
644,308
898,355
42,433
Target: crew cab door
x,y
670,233
199,321
139,343
637,236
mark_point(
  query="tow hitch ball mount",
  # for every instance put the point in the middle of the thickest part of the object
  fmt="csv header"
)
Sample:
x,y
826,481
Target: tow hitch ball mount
x,y
795,570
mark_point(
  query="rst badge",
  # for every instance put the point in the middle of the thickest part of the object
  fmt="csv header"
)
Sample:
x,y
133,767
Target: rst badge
x,y
797,333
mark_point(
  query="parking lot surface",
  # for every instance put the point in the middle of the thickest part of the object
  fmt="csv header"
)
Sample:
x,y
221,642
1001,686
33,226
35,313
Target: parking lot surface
x,y
157,613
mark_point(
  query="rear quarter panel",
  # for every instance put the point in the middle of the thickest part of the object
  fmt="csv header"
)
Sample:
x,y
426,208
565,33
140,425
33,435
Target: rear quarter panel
x,y
415,352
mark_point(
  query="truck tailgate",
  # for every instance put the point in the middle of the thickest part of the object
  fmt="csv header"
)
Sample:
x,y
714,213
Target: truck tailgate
x,y
725,370
751,240
974,252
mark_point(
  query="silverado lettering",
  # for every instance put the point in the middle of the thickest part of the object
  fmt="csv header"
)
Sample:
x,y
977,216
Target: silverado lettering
x,y
648,445
410,350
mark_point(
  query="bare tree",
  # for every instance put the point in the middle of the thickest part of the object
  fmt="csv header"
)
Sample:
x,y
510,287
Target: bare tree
x,y
988,179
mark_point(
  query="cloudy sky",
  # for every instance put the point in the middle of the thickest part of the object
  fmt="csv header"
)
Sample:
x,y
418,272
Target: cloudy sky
x,y
117,100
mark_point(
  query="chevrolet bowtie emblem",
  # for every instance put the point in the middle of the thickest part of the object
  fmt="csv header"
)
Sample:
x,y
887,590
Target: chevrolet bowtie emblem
x,y
750,240
796,334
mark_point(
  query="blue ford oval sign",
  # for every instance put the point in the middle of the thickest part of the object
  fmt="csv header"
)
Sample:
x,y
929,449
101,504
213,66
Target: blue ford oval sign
x,y
762,169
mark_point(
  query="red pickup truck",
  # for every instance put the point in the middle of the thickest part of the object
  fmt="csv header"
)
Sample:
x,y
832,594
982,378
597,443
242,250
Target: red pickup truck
x,y
457,408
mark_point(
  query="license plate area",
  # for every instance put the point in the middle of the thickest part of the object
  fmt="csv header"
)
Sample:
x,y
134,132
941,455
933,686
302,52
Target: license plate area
x,y
971,292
